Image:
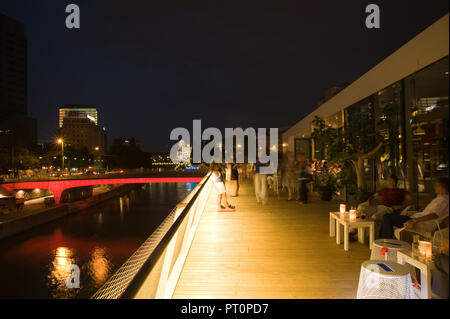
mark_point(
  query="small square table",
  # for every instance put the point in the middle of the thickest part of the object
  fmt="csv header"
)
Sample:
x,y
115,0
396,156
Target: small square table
x,y
360,224
425,267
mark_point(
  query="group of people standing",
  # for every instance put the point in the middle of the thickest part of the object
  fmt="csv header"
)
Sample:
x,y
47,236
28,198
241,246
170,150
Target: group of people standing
x,y
295,177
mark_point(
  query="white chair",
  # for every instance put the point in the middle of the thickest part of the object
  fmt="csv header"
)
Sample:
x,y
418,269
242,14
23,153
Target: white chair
x,y
408,211
422,232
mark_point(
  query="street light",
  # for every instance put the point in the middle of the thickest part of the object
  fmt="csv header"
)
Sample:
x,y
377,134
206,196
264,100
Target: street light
x,y
61,141
97,156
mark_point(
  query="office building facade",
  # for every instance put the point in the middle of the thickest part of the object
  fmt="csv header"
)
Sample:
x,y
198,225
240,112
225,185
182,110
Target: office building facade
x,y
79,128
16,127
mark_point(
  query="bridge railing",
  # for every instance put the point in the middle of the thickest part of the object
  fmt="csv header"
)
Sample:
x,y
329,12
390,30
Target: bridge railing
x,y
116,174
153,270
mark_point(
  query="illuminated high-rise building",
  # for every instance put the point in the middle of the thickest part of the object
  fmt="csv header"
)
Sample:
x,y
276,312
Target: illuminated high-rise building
x,y
78,111
78,127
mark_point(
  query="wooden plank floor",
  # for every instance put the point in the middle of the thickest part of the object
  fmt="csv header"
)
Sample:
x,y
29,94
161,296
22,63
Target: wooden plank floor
x,y
279,250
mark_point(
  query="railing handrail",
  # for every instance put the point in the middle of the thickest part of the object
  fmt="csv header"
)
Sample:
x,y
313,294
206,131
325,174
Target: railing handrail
x,y
46,178
126,281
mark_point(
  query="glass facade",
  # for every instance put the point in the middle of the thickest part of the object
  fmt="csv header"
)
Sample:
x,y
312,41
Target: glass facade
x,y
426,106
412,116
415,131
77,113
360,124
389,112
302,148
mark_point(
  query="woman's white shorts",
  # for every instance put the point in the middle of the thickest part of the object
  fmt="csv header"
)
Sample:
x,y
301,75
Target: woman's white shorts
x,y
220,187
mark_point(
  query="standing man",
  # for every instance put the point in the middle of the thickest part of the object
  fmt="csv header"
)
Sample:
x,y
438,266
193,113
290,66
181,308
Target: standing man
x,y
234,179
260,184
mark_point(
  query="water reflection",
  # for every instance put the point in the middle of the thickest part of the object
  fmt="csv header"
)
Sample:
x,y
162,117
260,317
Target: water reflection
x,y
100,266
63,258
37,263
98,269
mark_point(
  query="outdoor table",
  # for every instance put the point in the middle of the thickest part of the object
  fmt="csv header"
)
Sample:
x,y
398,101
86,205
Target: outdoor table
x,y
360,224
392,247
425,267
381,279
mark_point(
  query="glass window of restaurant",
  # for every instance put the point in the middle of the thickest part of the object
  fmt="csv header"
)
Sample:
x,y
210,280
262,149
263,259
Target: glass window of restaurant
x,y
427,113
389,114
359,121
302,149
319,152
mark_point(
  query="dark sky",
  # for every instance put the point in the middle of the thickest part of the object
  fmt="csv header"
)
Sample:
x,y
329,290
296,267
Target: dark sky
x,y
151,66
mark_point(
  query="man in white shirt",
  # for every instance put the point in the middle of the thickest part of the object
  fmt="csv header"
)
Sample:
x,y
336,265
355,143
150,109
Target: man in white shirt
x,y
436,210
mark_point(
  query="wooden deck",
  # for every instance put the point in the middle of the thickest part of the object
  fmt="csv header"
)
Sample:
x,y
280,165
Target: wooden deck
x,y
280,250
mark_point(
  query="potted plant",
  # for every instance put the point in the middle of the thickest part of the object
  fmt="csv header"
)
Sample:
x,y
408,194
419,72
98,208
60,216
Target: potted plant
x,y
352,146
327,186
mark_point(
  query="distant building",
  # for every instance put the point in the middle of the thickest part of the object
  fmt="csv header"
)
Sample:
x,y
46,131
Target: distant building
x,y
77,111
79,128
16,127
184,152
161,159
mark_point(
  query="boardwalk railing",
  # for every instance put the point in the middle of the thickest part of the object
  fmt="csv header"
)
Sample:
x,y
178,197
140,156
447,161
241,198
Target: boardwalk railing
x,y
153,270
127,173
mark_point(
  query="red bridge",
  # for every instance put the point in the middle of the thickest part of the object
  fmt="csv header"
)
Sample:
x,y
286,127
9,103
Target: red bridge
x,y
58,186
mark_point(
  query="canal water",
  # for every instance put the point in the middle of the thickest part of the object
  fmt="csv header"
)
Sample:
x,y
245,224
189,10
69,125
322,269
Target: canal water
x,y
98,240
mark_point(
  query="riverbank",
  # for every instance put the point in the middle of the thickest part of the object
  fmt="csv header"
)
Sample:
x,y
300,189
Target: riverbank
x,y
17,223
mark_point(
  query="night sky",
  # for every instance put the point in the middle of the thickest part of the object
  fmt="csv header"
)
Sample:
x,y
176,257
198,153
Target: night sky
x,y
151,66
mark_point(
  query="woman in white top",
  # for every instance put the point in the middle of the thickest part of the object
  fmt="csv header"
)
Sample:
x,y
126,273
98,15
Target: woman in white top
x,y
217,178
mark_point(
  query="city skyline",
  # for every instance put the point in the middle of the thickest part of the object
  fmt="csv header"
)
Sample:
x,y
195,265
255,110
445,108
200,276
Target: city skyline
x,y
237,155
149,65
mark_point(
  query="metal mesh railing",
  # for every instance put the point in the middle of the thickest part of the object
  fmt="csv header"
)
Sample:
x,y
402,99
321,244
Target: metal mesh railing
x,y
118,284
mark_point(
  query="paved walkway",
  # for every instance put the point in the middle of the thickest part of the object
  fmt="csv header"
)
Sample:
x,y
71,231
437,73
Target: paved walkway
x,y
36,206
280,250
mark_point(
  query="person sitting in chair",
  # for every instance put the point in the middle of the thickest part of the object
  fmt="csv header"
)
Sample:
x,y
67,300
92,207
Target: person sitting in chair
x,y
392,200
437,209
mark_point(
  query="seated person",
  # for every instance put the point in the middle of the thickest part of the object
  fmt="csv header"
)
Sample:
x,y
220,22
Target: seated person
x,y
392,200
437,209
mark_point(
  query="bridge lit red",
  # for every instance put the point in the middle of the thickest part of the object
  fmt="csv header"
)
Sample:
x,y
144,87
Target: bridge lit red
x,y
57,187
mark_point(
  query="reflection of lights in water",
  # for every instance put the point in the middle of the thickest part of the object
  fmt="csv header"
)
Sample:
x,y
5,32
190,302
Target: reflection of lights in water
x,y
62,260
125,199
99,265
63,257
121,209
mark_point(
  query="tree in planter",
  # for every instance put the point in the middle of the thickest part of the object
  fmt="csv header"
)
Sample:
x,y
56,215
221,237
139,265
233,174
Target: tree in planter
x,y
327,185
354,145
